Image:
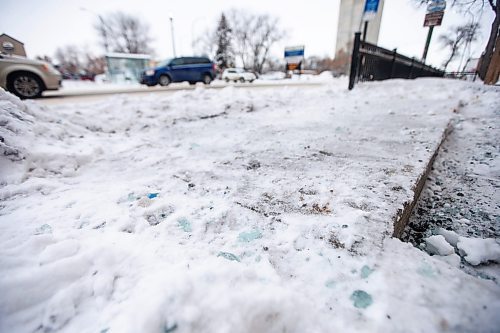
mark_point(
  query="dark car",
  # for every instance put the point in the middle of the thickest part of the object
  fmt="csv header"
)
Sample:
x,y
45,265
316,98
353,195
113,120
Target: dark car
x,y
191,69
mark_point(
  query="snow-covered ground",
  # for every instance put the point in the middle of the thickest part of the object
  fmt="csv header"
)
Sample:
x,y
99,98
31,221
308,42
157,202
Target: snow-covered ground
x,y
229,211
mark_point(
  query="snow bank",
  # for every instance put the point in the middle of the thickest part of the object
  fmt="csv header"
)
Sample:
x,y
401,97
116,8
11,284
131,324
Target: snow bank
x,y
227,211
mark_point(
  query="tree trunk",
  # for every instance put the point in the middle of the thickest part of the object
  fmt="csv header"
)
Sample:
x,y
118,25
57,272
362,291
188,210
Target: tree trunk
x,y
488,52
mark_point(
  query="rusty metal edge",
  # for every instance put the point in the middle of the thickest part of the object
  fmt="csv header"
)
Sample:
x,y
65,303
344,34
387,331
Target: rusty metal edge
x,y
403,216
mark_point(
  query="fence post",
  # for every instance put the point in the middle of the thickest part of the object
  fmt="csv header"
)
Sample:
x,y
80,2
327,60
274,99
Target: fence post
x,y
354,60
411,68
393,65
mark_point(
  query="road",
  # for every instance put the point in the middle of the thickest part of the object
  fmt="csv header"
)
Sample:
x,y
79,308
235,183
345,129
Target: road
x,y
76,95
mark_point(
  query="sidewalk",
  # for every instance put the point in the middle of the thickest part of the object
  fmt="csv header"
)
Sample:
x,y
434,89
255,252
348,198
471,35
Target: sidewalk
x,y
229,210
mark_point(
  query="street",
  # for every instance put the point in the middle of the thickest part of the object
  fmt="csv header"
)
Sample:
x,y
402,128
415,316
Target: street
x,y
100,92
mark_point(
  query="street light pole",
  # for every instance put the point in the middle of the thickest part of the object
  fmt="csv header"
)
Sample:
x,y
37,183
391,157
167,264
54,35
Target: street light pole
x,y
172,30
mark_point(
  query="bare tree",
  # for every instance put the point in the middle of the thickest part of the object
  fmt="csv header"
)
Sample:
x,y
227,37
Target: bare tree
x,y
250,40
457,39
121,32
74,62
69,59
254,35
475,7
206,44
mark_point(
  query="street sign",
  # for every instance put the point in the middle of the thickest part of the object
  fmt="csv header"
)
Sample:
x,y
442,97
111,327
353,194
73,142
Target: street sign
x,y
433,19
436,6
294,55
294,51
371,8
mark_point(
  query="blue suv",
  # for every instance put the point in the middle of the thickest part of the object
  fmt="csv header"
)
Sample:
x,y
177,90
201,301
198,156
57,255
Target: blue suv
x,y
191,69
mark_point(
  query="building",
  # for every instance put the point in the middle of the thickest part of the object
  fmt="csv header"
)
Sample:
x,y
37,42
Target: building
x,y
123,67
350,21
11,45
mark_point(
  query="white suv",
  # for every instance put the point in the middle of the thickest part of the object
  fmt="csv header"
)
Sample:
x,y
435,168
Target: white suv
x,y
27,78
238,74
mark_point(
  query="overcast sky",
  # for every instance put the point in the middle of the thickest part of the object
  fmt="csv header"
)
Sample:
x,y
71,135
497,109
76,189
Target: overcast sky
x,y
44,25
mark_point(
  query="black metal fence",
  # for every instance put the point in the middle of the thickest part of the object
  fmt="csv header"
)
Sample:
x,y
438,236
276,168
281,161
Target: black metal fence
x,y
370,62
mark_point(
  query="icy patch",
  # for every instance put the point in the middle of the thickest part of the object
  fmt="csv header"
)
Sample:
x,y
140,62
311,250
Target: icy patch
x,y
477,250
361,299
249,236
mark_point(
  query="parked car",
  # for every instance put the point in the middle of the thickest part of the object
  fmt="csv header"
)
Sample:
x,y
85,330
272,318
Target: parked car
x,y
191,69
238,74
27,78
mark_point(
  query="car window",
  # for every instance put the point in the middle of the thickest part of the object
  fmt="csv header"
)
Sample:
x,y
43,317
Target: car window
x,y
231,70
164,63
177,62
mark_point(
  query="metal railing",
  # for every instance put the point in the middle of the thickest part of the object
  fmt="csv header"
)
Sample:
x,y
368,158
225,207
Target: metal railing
x,y
370,62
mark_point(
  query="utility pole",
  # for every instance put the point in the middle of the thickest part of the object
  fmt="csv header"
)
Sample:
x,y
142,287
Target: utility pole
x,y
172,30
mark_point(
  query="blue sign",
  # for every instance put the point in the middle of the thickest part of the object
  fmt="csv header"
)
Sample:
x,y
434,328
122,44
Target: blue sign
x,y
436,6
297,51
371,6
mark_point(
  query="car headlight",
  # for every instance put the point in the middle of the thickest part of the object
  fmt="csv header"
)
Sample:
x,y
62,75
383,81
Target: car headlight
x,y
47,68
150,72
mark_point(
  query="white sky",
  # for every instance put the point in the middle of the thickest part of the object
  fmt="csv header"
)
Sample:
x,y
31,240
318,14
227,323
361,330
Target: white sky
x,y
44,25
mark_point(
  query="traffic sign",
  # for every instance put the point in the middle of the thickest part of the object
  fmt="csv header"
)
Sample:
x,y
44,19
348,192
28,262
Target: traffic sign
x,y
370,11
433,19
436,6
294,55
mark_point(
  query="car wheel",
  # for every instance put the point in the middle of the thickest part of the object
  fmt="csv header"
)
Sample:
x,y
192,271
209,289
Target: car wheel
x,y
251,81
242,79
207,79
227,80
26,85
192,83
164,80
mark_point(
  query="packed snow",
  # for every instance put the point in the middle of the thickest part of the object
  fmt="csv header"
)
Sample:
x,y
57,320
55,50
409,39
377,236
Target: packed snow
x,y
477,250
228,210
437,244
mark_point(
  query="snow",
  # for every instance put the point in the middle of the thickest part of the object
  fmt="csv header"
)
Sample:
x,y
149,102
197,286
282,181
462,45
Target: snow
x,y
450,236
228,210
461,193
451,259
460,198
437,244
477,250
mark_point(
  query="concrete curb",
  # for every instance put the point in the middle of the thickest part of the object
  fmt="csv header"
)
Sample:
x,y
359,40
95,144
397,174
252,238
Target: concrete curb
x,y
403,216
